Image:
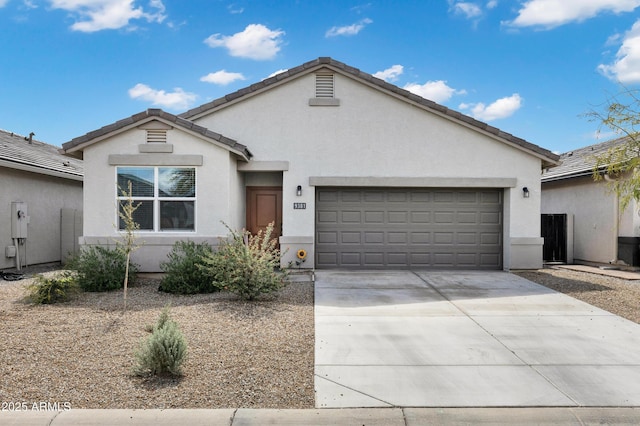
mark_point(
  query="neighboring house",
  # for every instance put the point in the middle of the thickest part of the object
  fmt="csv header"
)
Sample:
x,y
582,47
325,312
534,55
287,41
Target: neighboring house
x,y
352,169
597,231
40,202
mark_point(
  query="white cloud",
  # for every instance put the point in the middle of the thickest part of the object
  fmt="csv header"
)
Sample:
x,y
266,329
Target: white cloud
x,y
469,10
390,74
234,9
492,4
437,91
502,108
3,3
178,99
553,13
348,30
222,77
255,42
96,15
626,67
273,74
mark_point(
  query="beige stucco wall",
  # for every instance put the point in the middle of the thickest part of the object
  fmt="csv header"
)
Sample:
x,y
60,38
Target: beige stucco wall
x,y
45,197
218,194
372,134
594,210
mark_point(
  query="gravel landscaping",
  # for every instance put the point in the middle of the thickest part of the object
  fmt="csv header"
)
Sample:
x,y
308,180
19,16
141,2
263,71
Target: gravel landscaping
x,y
240,354
618,296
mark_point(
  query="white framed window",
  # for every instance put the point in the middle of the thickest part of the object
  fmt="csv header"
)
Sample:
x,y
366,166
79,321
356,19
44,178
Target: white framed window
x,y
167,197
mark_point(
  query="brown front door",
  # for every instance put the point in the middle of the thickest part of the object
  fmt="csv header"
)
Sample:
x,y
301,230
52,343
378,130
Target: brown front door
x,y
264,205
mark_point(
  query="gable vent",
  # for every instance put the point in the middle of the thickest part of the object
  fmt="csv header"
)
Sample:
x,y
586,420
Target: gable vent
x,y
324,86
156,136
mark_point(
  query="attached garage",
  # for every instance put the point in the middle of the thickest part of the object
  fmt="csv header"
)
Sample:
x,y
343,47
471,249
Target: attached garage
x,y
409,228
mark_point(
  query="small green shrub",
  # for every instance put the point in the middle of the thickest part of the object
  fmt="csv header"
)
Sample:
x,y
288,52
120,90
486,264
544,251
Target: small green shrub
x,y
59,288
246,264
183,275
164,351
101,268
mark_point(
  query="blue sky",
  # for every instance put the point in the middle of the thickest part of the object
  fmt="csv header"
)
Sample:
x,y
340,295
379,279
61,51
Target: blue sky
x,y
531,68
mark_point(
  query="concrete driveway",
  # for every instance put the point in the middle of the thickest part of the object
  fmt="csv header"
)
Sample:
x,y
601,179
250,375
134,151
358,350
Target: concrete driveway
x,y
466,339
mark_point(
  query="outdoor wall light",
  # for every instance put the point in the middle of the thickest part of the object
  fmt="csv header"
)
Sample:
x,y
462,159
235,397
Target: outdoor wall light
x,y
525,192
299,190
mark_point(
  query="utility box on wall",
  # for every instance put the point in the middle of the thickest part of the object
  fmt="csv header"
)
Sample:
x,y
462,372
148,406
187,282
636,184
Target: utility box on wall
x,y
19,219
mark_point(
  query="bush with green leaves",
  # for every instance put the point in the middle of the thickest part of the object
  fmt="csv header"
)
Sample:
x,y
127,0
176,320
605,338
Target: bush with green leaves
x,y
183,275
164,352
101,268
247,265
58,288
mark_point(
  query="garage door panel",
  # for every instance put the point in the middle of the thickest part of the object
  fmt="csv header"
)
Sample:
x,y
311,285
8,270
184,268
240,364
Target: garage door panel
x,y
350,238
491,218
418,238
397,237
373,259
467,238
408,228
444,217
327,217
397,197
443,238
420,217
398,259
420,196
398,217
374,237
490,238
351,259
374,217
327,237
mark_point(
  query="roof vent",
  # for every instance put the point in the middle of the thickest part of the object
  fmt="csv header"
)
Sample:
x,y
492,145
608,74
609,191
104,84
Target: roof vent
x,y
156,136
324,85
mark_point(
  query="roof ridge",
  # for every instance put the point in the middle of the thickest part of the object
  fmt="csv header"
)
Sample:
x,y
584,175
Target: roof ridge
x,y
156,112
328,61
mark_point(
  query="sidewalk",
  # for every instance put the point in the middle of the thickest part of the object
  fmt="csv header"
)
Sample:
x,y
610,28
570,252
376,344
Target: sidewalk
x,y
322,417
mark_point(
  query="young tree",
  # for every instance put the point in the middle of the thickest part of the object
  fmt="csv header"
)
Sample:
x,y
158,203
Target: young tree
x,y
129,238
620,164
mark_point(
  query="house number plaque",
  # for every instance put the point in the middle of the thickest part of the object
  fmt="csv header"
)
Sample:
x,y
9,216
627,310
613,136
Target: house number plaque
x,y
299,206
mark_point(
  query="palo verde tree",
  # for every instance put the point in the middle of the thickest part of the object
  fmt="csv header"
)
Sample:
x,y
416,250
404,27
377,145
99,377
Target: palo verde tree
x,y
621,163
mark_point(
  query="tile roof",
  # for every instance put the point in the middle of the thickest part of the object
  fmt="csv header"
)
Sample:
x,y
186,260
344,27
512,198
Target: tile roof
x,y
547,156
16,152
77,144
579,162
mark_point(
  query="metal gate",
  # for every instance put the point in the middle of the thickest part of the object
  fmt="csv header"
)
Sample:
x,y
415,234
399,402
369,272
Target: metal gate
x,y
554,232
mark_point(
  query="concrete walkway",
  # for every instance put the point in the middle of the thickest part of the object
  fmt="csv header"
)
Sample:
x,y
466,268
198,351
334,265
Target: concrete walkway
x,y
467,339
328,417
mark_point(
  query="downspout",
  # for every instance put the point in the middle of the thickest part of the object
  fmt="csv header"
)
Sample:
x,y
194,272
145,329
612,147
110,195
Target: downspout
x,y
616,223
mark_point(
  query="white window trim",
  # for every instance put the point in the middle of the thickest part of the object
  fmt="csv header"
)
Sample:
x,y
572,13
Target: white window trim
x,y
156,201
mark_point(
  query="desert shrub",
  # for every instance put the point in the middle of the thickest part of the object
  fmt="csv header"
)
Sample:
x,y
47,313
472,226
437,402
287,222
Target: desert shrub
x,y
182,273
164,351
59,288
246,264
101,268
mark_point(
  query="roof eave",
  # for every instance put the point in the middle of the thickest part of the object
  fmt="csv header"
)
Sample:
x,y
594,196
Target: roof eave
x,y
76,146
40,170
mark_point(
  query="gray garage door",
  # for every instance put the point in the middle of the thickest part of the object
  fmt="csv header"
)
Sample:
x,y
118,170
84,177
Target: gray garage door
x,y
408,228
